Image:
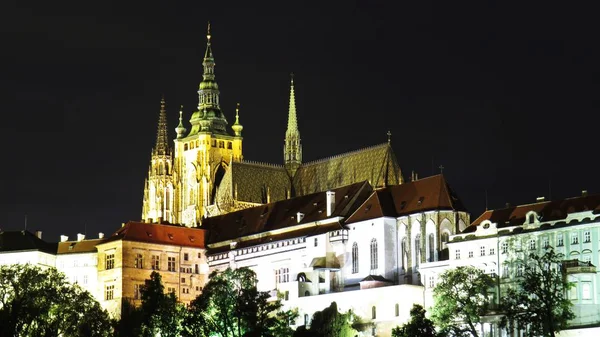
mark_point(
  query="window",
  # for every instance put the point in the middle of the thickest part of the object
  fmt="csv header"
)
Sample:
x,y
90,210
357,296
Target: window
x,y
445,237
431,242
136,292
404,253
170,290
171,263
531,218
199,255
559,240
431,281
354,258
307,293
282,275
316,242
505,271
183,280
573,291
186,257
85,279
471,254
139,261
546,242
305,319
373,254
155,262
532,244
109,292
109,261
586,290
574,238
286,296
587,258
196,269
492,251
520,269
185,290
373,312
397,309
417,250
504,247
482,251
457,253
587,236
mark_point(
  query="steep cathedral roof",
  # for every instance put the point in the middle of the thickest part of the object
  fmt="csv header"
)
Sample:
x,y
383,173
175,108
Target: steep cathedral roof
x,y
546,211
431,193
280,218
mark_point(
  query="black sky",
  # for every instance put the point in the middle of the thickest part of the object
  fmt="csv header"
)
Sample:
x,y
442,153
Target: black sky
x,y
504,96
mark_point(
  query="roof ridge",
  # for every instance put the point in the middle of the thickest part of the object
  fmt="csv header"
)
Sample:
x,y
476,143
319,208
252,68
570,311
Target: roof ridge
x,y
318,161
258,163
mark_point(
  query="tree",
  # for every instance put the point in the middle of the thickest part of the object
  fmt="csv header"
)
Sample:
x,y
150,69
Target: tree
x,y
231,306
461,298
419,325
40,302
130,322
331,323
160,312
537,302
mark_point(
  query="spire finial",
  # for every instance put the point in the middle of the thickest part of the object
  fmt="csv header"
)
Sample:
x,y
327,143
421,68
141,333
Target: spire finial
x,y
162,141
389,134
208,32
237,127
237,112
180,129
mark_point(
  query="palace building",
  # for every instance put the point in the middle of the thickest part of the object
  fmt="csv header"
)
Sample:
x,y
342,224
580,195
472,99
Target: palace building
x,y
204,172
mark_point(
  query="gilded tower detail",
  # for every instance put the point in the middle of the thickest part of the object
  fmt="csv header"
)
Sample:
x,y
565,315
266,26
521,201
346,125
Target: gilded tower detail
x,y
158,188
292,149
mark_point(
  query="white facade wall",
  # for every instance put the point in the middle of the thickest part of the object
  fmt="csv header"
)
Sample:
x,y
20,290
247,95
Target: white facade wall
x,y
81,269
33,257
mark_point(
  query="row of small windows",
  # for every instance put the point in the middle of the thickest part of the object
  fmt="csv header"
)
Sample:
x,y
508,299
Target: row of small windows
x,y
155,265
194,144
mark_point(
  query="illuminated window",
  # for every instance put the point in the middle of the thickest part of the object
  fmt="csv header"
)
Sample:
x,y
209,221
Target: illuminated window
x,y
355,258
139,261
136,292
457,254
574,238
171,263
109,292
373,254
155,262
109,261
559,240
587,236
282,275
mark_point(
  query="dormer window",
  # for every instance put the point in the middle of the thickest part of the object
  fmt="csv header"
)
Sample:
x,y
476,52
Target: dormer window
x,y
420,200
531,218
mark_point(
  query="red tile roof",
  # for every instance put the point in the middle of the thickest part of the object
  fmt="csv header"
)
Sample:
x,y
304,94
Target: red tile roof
x,y
164,234
431,193
282,214
546,210
84,246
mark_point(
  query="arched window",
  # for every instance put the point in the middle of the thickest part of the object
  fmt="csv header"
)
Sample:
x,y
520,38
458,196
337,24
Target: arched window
x,y
373,312
354,258
404,248
417,249
431,244
305,319
445,237
307,293
397,310
373,254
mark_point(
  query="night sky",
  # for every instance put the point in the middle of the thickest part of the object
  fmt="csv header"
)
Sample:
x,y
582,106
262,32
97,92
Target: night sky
x,y
504,96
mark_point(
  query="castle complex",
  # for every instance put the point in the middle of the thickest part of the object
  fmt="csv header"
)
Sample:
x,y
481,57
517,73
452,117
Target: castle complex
x,y
206,174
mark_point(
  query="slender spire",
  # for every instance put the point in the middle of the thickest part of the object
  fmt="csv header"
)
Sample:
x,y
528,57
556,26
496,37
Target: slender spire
x,y
162,136
237,127
180,129
292,151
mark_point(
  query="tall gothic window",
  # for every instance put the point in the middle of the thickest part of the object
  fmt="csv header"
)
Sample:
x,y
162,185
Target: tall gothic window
x,y
355,258
404,252
417,249
373,254
431,247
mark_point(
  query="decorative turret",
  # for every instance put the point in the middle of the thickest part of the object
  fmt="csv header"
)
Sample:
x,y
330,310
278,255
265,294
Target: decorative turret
x,y
209,117
180,129
162,142
237,127
292,151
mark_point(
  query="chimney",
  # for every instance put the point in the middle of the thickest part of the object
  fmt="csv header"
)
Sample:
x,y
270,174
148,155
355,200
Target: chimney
x,y
38,234
330,202
507,204
584,193
64,238
540,199
299,216
80,237
100,235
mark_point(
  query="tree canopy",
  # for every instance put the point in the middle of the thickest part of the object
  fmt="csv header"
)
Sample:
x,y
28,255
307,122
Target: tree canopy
x,y
331,323
231,306
160,311
537,302
461,298
41,302
419,325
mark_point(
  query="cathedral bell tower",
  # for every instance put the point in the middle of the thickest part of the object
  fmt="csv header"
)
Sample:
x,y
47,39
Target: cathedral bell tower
x,y
158,188
292,149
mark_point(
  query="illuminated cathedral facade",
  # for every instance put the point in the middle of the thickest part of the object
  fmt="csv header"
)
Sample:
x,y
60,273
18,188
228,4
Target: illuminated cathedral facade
x,y
203,172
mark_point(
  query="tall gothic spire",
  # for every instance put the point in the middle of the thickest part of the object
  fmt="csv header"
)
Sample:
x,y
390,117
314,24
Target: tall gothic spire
x,y
162,135
292,151
209,115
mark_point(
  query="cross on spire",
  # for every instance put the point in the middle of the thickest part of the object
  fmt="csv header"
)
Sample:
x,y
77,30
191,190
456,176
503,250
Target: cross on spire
x,y
441,169
389,134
